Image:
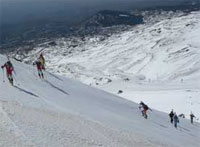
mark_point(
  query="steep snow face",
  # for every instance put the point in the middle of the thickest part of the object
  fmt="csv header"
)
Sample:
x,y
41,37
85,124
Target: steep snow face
x,y
158,62
60,112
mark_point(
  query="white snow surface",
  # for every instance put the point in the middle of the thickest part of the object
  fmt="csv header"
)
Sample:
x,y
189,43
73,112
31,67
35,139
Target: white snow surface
x,y
59,112
158,62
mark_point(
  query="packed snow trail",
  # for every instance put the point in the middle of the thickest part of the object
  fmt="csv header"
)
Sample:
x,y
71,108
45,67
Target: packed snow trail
x,y
62,112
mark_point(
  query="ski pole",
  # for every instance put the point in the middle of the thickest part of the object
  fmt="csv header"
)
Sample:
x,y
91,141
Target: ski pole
x,y
14,71
3,76
15,80
34,72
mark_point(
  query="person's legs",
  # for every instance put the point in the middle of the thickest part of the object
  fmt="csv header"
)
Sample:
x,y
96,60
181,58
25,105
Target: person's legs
x,y
10,78
175,124
40,73
142,112
145,113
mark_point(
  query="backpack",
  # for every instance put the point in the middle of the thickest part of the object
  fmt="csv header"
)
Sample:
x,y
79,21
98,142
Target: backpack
x,y
146,107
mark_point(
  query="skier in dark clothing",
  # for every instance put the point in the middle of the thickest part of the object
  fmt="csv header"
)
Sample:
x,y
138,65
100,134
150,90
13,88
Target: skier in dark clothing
x,y
143,107
192,117
39,68
9,69
176,120
171,115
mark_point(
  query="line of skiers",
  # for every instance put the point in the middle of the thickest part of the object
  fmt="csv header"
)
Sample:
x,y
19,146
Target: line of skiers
x,y
8,66
174,118
40,64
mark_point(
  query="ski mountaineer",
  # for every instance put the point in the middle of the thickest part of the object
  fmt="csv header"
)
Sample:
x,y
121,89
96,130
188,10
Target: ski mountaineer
x,y
171,115
143,107
9,69
42,61
192,116
39,68
176,120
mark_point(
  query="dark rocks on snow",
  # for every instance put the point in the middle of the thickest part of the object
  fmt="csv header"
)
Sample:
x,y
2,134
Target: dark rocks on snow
x,y
120,91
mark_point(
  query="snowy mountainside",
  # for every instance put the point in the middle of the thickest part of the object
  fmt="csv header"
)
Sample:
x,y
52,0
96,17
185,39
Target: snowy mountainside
x,y
171,44
157,62
61,112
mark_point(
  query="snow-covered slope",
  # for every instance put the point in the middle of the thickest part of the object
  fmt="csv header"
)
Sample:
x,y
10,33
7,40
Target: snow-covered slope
x,y
62,112
167,50
158,62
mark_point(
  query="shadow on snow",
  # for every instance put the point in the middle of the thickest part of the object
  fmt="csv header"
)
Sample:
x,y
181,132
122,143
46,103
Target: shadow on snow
x,y
25,91
59,89
54,76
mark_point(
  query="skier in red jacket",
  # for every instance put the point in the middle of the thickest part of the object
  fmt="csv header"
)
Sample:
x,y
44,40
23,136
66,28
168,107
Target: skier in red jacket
x,y
39,68
9,69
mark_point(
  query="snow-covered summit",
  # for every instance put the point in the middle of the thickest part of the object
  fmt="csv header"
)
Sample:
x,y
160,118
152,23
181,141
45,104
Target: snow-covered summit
x,y
62,112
